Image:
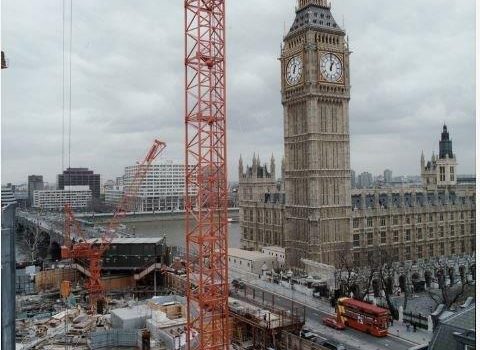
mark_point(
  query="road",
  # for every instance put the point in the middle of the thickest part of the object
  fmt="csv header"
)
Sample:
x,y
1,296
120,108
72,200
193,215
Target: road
x,y
314,313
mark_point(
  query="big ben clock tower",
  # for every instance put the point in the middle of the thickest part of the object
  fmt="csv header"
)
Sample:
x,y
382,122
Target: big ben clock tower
x,y
315,97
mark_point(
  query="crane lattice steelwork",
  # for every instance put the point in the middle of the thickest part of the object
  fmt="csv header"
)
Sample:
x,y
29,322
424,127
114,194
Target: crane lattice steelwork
x,y
93,251
206,219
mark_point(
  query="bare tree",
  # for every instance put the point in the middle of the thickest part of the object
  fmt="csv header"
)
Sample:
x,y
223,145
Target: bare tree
x,y
451,293
347,274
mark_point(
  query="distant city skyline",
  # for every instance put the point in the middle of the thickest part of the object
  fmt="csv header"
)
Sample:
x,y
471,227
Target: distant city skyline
x,y
126,91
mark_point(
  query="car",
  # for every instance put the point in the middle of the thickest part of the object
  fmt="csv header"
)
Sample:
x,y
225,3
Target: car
x,y
239,284
307,334
332,345
332,322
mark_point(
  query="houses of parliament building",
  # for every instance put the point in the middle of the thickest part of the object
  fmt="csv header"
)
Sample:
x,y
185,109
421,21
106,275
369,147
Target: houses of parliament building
x,y
310,209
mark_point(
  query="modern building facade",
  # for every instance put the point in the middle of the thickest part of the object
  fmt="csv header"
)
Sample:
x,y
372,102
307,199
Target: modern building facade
x,y
79,197
163,188
35,183
315,71
8,196
365,180
80,177
8,274
387,176
113,195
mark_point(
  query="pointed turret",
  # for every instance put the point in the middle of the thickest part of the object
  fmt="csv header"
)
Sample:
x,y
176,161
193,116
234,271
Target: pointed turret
x,y
254,166
272,167
240,167
422,161
445,144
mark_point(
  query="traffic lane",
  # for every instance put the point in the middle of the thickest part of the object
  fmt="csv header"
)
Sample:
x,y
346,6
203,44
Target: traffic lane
x,y
353,339
315,315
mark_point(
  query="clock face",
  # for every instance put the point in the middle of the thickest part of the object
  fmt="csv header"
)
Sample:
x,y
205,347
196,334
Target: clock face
x,y
294,70
331,67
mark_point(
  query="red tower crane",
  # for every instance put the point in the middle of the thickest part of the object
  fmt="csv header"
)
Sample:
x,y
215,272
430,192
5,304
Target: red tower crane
x,y
93,251
206,218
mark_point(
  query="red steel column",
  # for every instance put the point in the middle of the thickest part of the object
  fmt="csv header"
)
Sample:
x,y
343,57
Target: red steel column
x,y
206,202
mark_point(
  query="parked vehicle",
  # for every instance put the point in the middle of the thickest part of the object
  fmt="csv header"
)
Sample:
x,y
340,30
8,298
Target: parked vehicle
x,y
307,334
330,344
239,284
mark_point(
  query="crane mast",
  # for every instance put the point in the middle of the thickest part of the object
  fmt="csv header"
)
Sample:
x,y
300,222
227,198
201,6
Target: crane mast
x,y
206,194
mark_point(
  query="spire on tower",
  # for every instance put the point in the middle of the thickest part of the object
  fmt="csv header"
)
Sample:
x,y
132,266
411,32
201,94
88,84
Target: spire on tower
x,y
305,3
240,166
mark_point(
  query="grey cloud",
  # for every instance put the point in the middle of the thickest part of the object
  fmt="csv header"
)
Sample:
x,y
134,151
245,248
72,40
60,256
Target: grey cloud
x,y
412,69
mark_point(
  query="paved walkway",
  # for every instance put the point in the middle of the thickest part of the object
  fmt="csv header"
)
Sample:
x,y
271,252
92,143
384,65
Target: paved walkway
x,y
421,336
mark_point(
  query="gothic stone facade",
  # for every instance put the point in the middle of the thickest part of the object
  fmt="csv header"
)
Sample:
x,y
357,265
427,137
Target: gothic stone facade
x,y
262,203
315,97
314,218
413,224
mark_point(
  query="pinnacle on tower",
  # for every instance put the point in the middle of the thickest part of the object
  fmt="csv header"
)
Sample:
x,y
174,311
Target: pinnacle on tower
x,y
305,3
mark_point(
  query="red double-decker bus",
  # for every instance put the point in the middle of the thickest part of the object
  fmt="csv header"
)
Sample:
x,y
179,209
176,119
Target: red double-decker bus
x,y
363,316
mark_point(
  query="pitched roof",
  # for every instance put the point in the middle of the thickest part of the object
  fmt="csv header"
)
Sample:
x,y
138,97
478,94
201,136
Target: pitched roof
x,y
461,322
316,17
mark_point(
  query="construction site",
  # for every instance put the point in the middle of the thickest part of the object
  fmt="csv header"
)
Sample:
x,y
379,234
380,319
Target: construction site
x,y
111,291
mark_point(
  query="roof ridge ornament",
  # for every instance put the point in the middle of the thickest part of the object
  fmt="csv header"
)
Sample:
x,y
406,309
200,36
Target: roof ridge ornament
x,y
304,3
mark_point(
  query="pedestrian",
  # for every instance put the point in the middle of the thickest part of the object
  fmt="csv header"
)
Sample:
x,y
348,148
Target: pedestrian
x,y
408,327
414,327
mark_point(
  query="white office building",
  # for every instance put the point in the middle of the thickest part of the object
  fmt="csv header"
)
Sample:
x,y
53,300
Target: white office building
x,y
78,197
113,195
163,188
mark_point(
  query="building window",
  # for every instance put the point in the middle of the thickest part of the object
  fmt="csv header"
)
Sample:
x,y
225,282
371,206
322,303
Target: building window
x,y
430,233
395,236
383,237
442,248
407,219
452,230
408,235
419,234
430,218
452,216
370,238
356,223
441,217
462,229
356,258
430,249
462,215
408,253
463,246
382,221
452,173
419,251
395,220
419,219
356,240
452,248
442,173
369,222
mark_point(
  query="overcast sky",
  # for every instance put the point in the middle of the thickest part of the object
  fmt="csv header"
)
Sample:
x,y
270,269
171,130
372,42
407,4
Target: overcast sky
x,y
412,68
